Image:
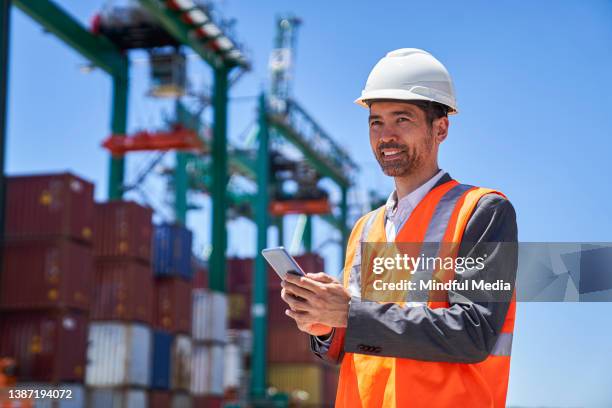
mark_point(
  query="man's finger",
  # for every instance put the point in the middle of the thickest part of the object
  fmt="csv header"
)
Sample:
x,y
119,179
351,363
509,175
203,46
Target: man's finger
x,y
298,291
321,277
294,303
299,317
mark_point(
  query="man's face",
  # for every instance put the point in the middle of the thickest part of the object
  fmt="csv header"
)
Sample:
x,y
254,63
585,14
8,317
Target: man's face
x,y
401,138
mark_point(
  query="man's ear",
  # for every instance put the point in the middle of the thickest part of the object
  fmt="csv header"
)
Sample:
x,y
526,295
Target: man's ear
x,y
440,128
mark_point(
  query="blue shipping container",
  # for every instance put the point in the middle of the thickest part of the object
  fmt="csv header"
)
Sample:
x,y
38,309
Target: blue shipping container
x,y
162,347
172,251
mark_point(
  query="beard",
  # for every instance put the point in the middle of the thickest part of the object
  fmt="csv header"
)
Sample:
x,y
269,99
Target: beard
x,y
410,158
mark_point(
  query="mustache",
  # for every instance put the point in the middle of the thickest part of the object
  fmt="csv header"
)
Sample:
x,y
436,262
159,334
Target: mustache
x,y
391,145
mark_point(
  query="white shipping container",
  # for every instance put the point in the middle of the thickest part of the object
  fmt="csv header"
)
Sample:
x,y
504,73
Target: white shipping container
x,y
209,316
233,368
207,370
118,354
73,398
181,363
117,398
242,338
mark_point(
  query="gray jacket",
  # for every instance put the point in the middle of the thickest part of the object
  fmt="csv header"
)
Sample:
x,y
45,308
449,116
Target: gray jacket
x,y
463,333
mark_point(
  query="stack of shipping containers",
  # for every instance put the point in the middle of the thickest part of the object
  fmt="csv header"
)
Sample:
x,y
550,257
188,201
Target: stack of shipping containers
x,y
291,369
172,343
120,340
47,277
209,331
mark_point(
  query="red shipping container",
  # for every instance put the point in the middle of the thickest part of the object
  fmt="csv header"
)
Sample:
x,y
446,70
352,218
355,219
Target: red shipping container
x,y
172,305
278,351
123,290
207,402
48,346
123,229
200,274
49,205
160,399
46,273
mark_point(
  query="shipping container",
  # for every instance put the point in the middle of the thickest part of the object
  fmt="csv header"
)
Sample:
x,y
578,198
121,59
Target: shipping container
x,y
161,360
209,401
172,305
234,367
209,316
181,363
117,398
200,273
123,290
46,273
239,310
299,352
49,205
123,229
242,338
160,399
172,251
181,400
119,354
48,345
303,382
74,395
207,369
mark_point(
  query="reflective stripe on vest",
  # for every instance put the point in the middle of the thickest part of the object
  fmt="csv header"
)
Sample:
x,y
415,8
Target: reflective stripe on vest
x,y
433,238
503,345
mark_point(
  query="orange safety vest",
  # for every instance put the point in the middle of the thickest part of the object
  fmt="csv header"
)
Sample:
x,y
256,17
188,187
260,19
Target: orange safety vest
x,y
372,381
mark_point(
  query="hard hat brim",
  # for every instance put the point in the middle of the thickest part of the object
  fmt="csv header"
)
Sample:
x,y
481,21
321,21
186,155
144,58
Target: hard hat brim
x,y
398,95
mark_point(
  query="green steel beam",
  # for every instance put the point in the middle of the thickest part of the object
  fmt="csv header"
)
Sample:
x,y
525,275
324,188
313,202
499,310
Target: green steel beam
x,y
181,31
308,234
260,282
100,51
119,127
220,179
180,188
294,137
280,229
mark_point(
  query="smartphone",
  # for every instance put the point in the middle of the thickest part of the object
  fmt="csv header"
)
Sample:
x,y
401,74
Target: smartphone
x,y
282,262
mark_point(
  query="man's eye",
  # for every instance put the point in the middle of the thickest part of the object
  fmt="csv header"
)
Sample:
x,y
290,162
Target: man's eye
x,y
399,120
375,123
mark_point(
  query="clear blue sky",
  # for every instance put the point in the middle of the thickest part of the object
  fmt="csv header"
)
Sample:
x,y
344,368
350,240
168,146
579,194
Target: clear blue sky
x,y
534,88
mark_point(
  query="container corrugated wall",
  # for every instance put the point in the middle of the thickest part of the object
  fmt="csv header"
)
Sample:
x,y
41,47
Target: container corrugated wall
x,y
119,354
207,370
46,273
181,363
172,251
49,346
123,229
117,398
161,358
172,305
234,367
49,205
123,291
209,316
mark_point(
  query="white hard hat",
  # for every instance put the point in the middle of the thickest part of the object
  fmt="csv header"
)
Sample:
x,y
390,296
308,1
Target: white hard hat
x,y
409,74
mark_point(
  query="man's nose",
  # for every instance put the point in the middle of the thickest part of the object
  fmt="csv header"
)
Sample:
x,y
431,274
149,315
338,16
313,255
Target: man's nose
x,y
387,134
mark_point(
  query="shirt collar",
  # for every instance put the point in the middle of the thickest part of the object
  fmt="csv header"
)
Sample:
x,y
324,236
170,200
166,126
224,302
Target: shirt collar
x,y
412,199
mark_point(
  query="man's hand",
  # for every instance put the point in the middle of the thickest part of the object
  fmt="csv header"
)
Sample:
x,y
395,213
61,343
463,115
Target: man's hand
x,y
317,302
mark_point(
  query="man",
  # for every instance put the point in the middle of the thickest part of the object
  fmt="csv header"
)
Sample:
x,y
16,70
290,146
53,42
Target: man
x,y
450,348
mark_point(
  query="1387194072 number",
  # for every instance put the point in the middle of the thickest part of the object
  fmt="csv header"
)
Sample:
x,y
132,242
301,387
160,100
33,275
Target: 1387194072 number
x,y
39,394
